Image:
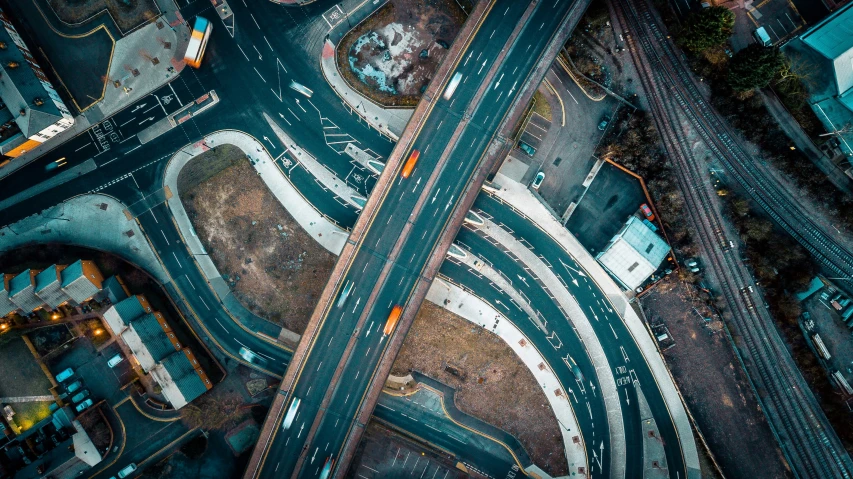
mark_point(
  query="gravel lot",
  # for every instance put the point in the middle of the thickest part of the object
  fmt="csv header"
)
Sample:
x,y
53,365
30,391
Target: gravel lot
x,y
273,267
715,387
492,383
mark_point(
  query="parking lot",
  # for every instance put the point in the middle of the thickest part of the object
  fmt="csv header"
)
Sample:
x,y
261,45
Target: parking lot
x,y
90,366
565,154
780,18
384,453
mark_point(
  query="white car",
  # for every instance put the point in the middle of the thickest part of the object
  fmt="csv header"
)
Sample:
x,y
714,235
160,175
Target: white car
x,y
345,293
537,182
128,470
291,414
250,356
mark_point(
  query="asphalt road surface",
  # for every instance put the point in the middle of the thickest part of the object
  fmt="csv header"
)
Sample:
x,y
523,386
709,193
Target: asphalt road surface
x,y
391,256
268,49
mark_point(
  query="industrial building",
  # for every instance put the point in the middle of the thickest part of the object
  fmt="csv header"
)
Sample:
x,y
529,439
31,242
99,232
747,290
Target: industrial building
x,y
633,254
823,55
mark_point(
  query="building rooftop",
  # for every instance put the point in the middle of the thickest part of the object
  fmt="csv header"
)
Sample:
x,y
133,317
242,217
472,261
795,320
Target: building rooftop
x,y
132,308
22,90
20,282
155,334
833,38
183,381
634,254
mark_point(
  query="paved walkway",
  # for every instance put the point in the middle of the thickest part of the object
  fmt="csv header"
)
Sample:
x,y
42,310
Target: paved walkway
x,y
26,399
520,198
135,51
801,139
473,309
71,223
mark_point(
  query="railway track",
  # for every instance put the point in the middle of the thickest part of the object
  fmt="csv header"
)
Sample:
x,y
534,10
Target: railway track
x,y
804,434
763,188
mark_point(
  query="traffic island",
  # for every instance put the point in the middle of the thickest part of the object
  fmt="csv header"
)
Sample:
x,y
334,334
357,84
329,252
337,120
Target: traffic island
x,y
271,265
391,56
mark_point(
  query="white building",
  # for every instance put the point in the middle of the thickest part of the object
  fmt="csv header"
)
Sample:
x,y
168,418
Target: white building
x,y
34,112
634,254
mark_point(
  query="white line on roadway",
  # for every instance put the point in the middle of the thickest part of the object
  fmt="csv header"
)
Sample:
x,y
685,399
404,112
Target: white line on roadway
x,y
259,74
244,53
176,259
164,237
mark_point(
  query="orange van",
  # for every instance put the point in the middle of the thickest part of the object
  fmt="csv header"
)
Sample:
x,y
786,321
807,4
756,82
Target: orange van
x,y
410,163
396,311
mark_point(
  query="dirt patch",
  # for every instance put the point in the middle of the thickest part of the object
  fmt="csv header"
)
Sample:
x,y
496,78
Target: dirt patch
x,y
541,105
391,56
273,267
491,382
128,14
714,386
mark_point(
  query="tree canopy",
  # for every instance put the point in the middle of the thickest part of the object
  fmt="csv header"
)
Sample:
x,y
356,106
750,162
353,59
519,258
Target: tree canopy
x,y
754,67
706,29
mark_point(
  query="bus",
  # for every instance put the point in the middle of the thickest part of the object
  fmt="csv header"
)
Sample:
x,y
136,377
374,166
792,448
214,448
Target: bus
x,y
451,87
410,163
392,319
198,42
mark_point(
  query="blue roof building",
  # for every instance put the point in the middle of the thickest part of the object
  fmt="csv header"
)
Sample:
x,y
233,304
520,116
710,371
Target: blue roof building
x,y
824,56
49,286
22,291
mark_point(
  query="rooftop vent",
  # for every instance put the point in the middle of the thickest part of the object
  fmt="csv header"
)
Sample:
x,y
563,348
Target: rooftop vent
x,y
23,112
12,64
38,102
2,45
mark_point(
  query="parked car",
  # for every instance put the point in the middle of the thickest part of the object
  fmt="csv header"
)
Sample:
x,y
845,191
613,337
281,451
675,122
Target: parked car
x,y
603,124
127,470
83,406
526,148
73,386
64,375
537,182
647,211
762,37
115,360
79,396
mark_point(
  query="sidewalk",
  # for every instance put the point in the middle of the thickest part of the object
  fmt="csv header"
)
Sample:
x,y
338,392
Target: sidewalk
x,y
74,221
472,308
132,64
520,198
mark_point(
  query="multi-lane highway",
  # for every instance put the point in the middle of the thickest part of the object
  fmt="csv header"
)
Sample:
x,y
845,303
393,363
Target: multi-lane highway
x,y
332,379
247,70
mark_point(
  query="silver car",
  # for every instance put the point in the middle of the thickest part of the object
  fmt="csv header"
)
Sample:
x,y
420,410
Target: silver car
x,y
301,88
